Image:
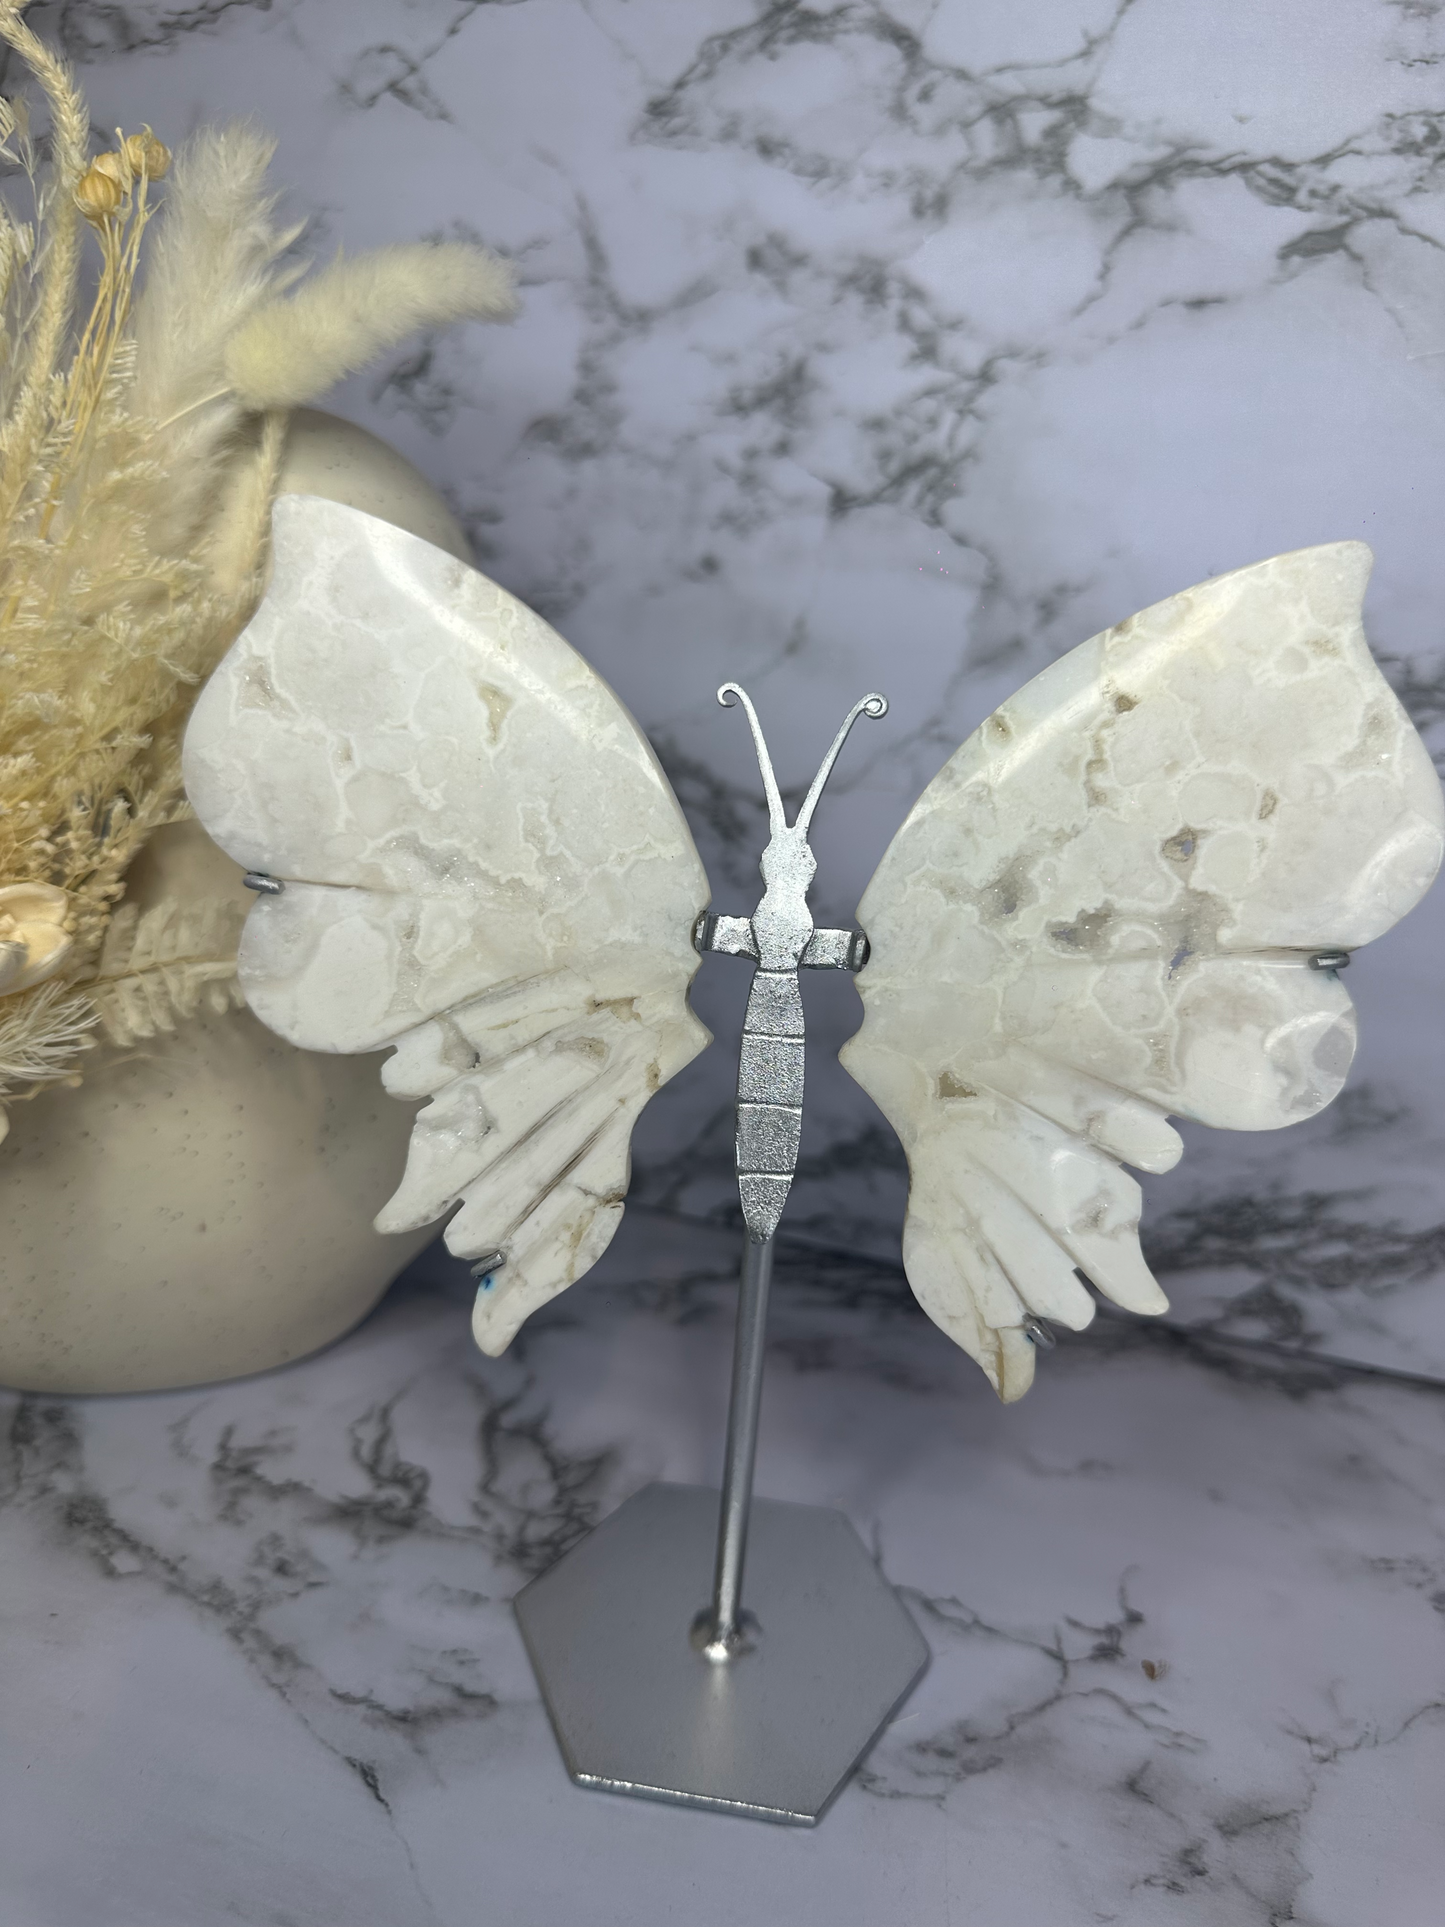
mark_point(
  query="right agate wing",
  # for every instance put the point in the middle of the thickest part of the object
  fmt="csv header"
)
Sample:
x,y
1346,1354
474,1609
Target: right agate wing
x,y
1106,908
483,866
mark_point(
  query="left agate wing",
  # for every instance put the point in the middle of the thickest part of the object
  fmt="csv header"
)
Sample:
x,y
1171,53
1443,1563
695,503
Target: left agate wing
x,y
1105,909
483,866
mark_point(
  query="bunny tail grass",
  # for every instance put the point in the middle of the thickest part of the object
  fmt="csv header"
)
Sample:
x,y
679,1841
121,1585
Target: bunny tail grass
x,y
289,351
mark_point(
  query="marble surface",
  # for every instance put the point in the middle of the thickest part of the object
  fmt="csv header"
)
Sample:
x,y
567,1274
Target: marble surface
x,y
1183,1605
906,346
481,864
901,345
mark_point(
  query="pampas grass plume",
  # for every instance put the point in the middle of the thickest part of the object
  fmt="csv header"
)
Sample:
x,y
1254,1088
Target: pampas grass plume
x,y
290,351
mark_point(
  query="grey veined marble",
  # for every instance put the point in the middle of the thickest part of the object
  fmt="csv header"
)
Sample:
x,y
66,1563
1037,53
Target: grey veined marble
x,y
1109,906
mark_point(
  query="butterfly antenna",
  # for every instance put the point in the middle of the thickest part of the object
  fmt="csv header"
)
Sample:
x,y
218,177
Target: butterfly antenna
x,y
726,695
874,705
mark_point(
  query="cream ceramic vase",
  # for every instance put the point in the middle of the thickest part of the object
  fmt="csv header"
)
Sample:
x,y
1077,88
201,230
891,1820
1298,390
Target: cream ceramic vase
x,y
200,1205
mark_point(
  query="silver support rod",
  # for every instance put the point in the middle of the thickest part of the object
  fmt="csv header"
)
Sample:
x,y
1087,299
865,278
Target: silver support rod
x,y
726,1631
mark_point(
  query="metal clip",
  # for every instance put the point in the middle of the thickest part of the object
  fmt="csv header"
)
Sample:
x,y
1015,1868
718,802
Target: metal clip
x,y
725,936
485,1268
263,885
1329,960
835,950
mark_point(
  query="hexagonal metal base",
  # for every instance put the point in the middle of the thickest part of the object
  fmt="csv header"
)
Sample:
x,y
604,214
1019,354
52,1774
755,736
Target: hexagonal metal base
x,y
773,1732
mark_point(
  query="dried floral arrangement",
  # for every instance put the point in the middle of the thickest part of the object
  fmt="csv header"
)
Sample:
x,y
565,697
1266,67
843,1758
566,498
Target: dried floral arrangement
x,y
142,426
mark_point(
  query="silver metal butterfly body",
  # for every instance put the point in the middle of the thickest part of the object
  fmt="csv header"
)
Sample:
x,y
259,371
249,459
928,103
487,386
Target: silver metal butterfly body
x,y
781,940
1108,907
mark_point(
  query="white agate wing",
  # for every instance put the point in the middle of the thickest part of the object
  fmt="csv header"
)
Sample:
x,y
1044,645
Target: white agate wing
x,y
484,866
1103,909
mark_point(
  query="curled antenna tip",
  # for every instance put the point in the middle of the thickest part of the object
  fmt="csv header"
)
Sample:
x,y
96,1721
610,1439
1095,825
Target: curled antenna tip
x,y
875,705
728,694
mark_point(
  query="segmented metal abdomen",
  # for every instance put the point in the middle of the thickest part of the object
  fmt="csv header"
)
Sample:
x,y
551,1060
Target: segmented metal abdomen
x,y
770,1098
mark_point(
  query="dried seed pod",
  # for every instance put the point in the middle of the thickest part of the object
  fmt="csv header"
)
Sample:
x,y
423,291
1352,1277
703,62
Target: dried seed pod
x,y
114,166
100,193
34,942
147,155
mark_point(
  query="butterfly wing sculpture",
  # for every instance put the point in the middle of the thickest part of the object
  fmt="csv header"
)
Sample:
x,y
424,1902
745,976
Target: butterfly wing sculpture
x,y
1120,899
1125,897
480,864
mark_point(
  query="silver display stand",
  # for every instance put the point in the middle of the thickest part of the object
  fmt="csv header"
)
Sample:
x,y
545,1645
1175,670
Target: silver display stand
x,y
658,1680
